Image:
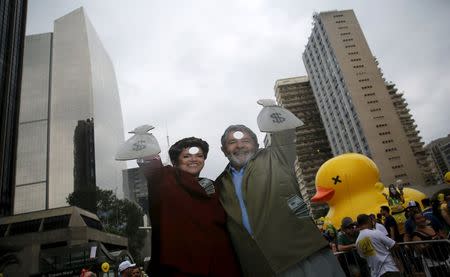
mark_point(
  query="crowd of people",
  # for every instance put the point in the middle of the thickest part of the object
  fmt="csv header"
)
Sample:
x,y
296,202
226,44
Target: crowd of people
x,y
253,221
365,243
125,269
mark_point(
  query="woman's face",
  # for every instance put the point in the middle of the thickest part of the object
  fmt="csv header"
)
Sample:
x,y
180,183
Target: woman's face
x,y
392,189
420,220
191,160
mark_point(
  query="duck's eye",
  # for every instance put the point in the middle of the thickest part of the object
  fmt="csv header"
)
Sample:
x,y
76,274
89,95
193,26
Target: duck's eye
x,y
336,180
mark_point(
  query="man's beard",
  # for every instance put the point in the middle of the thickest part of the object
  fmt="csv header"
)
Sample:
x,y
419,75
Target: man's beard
x,y
240,158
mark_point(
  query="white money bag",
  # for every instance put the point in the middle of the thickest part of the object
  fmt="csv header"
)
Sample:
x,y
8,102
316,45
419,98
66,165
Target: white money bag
x,y
140,145
274,118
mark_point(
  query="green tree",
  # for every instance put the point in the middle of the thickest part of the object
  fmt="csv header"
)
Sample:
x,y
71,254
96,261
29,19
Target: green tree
x,y
84,199
132,214
118,216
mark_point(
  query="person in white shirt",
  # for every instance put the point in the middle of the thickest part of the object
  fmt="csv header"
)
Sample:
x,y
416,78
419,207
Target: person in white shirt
x,y
381,228
374,246
378,226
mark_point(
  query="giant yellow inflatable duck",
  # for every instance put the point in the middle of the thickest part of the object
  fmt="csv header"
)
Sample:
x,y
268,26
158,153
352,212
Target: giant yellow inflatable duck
x,y
350,184
447,177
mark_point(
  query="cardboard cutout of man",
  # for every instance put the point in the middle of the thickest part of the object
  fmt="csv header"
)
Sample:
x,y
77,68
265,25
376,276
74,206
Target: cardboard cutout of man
x,y
268,221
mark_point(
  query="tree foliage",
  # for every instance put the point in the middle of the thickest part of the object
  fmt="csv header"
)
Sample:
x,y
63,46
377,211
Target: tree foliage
x,y
118,216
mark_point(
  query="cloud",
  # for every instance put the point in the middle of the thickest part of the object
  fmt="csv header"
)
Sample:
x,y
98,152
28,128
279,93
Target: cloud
x,y
199,66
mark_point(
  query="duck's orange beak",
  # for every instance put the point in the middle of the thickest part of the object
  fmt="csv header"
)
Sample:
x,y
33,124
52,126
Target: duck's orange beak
x,y
323,195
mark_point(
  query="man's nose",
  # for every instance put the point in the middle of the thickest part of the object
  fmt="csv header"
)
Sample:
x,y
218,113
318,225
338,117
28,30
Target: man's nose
x,y
240,144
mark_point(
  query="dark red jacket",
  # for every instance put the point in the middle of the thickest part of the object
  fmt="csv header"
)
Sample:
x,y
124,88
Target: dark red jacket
x,y
188,227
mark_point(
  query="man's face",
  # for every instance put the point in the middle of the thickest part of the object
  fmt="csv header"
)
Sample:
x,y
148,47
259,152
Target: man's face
x,y
374,222
410,211
350,230
135,272
420,220
239,148
127,272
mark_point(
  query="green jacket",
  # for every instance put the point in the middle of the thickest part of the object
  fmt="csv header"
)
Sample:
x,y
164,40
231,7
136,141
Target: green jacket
x,y
283,232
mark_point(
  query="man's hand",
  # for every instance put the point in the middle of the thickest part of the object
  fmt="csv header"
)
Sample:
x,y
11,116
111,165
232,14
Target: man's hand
x,y
347,247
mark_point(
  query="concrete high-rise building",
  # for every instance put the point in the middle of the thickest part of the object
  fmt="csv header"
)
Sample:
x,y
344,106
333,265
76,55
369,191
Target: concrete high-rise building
x,y
12,33
353,100
440,151
68,77
423,157
135,187
313,148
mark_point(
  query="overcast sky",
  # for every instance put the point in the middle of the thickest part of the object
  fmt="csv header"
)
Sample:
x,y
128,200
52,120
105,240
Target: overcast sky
x,y
199,66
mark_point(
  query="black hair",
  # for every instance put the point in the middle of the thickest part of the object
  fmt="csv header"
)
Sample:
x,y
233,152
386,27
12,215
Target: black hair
x,y
412,213
396,194
385,208
426,202
176,149
436,207
379,218
363,219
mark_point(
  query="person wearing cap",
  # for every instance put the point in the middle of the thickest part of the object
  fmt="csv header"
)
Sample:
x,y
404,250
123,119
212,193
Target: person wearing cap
x,y
410,226
346,242
268,220
411,208
375,247
126,269
189,236
330,234
348,234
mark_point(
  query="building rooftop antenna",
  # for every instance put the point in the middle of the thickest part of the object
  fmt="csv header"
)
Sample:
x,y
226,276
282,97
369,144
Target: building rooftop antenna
x,y
167,137
167,161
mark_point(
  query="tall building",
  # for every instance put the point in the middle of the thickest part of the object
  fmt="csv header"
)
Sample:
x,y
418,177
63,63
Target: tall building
x,y
32,155
68,77
135,187
12,33
423,157
440,151
353,100
84,164
313,148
